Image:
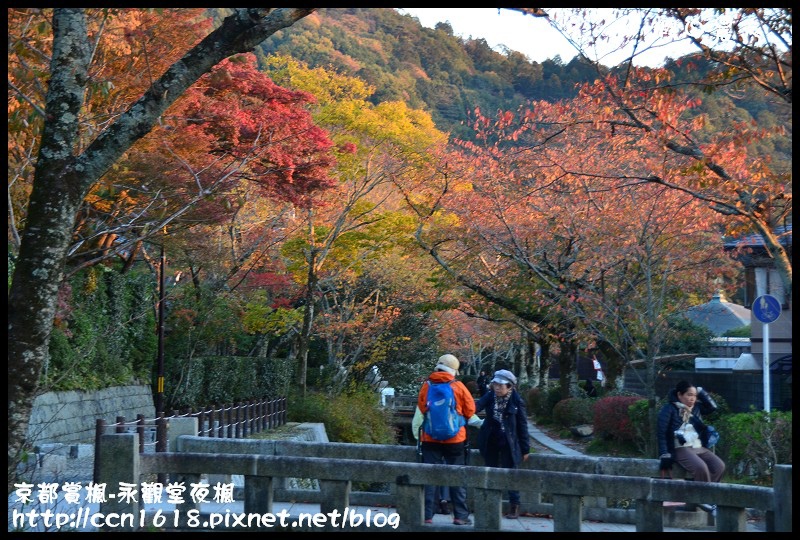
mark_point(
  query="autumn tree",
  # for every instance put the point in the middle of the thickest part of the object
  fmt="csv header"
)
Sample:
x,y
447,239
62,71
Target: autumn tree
x,y
130,48
535,220
233,137
745,49
484,344
234,158
67,167
233,141
346,226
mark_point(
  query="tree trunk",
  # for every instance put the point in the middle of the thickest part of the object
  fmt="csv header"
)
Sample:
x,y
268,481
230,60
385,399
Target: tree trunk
x,y
63,178
567,368
305,332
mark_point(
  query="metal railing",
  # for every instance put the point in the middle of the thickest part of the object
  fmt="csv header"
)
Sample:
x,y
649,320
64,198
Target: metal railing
x,y
236,420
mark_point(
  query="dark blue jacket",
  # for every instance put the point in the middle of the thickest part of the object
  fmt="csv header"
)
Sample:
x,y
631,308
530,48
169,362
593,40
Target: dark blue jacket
x,y
515,420
669,421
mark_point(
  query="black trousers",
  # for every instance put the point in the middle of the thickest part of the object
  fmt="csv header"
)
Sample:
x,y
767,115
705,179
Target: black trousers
x,y
451,454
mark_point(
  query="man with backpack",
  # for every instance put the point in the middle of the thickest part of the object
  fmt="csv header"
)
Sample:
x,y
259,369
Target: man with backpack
x,y
444,406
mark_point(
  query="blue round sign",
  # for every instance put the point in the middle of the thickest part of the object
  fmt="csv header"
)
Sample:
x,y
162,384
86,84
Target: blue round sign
x,y
766,308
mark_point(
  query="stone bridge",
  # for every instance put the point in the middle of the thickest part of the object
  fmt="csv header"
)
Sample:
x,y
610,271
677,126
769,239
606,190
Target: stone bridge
x,y
569,488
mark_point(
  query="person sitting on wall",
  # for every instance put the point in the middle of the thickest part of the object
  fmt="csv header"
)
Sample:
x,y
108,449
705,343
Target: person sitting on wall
x,y
681,433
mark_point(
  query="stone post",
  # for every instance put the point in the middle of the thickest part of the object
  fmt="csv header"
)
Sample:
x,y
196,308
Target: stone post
x,y
491,503
567,513
410,504
178,427
119,468
782,488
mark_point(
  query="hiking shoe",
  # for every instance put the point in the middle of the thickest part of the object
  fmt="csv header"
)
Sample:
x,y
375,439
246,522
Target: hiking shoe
x,y
444,507
465,521
513,512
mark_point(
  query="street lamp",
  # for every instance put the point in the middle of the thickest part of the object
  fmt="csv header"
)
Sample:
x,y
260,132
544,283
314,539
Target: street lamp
x,y
161,297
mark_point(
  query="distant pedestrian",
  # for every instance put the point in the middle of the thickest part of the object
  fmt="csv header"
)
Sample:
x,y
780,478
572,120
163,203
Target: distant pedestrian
x,y
483,383
443,496
591,391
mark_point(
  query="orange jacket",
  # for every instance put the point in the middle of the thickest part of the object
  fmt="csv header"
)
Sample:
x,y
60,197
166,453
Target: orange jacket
x,y
465,405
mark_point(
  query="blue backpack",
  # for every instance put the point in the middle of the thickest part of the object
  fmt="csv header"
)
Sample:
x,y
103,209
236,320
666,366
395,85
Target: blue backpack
x,y
442,421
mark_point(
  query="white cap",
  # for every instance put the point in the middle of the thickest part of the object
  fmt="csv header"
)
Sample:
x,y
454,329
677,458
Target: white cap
x,y
448,363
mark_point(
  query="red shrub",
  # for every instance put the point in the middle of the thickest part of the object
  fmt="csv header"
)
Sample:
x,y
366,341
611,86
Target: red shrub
x,y
611,419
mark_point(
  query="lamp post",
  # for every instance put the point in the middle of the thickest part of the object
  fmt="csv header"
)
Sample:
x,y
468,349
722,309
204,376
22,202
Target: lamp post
x,y
161,297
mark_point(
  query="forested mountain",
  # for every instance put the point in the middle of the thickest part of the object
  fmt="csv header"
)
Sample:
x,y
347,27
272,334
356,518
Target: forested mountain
x,y
449,76
427,68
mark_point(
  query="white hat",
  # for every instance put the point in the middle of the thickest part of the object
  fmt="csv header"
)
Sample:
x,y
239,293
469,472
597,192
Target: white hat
x,y
503,376
448,363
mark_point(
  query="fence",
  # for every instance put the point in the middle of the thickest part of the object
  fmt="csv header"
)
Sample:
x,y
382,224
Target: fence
x,y
237,420
575,485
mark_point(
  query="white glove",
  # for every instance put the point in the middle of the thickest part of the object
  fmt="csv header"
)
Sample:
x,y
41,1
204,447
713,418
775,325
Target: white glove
x,y
475,420
416,422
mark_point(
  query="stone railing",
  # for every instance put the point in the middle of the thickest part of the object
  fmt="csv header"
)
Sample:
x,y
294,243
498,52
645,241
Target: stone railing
x,y
574,486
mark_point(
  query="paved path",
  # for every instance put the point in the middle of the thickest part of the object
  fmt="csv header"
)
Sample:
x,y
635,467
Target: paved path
x,y
558,448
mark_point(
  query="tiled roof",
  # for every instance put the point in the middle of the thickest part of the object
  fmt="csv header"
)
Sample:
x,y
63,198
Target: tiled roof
x,y
719,316
784,233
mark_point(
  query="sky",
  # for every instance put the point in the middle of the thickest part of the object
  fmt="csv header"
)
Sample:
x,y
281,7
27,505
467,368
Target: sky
x,y
532,36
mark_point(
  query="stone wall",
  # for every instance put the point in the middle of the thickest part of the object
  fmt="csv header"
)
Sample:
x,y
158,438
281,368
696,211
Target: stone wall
x,y
70,416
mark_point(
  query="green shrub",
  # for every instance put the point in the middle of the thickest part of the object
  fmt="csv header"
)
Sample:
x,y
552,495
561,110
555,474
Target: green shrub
x,y
354,417
742,331
540,403
639,415
574,411
684,335
104,331
751,444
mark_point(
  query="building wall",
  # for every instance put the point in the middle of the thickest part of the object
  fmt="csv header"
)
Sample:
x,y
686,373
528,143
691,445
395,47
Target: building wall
x,y
780,336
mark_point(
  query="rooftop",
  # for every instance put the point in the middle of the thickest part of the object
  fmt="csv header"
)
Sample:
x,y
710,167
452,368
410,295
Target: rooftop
x,y
718,315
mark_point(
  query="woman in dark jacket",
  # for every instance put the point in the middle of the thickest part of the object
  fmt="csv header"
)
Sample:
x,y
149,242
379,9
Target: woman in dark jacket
x,y
503,438
682,435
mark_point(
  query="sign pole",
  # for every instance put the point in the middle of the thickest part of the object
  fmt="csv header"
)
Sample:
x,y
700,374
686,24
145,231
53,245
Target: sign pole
x,y
767,309
765,363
